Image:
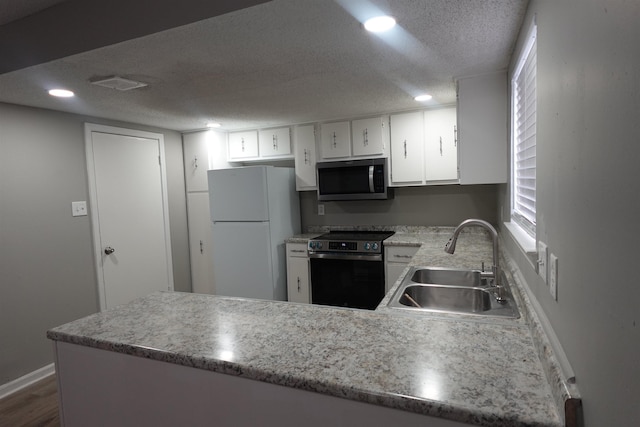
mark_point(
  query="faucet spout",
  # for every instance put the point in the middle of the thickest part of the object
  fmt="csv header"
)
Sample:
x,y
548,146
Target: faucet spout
x,y
450,248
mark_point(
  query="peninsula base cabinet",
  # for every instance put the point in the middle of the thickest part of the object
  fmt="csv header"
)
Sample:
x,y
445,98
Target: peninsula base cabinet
x,y
103,388
397,258
298,275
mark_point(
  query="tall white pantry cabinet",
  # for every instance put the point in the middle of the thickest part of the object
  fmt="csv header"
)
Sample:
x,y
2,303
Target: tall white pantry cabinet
x,y
202,151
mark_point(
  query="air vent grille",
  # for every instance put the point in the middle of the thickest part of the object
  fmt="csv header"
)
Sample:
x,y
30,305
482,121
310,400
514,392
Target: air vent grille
x,y
118,83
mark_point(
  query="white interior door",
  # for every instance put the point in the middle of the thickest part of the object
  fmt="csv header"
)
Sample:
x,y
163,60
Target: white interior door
x,y
129,213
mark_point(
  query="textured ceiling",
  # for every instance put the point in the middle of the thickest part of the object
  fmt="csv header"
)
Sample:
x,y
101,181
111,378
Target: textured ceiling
x,y
283,62
11,10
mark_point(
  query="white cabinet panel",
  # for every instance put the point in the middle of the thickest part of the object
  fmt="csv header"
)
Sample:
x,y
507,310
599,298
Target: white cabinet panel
x,y
441,150
196,160
243,145
397,258
274,142
200,243
298,275
335,140
407,148
367,136
304,138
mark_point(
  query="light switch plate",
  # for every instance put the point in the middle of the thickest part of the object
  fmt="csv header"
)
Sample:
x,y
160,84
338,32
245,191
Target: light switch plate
x,y
542,261
79,208
553,276
320,209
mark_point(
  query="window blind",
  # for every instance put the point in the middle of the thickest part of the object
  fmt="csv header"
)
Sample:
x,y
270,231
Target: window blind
x,y
524,138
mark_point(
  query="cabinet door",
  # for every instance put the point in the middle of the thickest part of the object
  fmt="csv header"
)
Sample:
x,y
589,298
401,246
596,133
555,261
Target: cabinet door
x,y
335,140
196,160
274,142
200,242
243,145
305,157
367,137
396,260
441,147
298,279
407,148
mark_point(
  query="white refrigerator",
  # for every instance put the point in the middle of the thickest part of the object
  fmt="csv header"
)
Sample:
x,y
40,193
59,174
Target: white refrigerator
x,y
253,210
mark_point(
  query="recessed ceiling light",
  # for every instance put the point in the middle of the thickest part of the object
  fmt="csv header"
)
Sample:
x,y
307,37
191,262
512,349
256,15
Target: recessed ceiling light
x,y
61,93
422,98
213,125
380,24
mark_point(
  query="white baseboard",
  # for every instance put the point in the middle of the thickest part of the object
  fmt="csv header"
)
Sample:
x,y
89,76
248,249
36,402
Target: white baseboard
x,y
26,380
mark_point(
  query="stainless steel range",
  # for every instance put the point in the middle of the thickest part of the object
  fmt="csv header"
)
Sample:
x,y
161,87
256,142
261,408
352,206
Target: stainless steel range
x,y
347,268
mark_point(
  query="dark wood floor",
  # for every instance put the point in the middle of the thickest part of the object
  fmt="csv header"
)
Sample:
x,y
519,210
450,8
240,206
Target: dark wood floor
x,y
33,406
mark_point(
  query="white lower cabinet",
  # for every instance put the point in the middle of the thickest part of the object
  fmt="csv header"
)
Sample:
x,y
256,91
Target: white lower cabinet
x,y
396,260
200,242
298,275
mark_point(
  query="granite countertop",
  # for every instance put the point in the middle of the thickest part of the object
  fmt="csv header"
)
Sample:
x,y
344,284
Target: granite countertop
x,y
478,372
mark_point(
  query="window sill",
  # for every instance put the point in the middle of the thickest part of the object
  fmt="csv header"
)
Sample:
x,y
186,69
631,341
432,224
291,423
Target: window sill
x,y
524,240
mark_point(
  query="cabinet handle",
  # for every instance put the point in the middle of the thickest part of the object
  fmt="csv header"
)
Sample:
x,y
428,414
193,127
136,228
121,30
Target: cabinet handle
x,y
306,157
440,146
275,142
298,283
298,251
195,162
405,148
403,256
366,137
455,135
201,247
242,143
335,144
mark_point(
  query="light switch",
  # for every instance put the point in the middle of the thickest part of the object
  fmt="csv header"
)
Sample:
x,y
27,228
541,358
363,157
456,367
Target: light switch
x,y
79,208
320,209
553,276
542,261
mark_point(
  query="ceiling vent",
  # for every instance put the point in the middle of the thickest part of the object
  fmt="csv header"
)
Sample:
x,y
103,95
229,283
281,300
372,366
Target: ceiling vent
x,y
118,83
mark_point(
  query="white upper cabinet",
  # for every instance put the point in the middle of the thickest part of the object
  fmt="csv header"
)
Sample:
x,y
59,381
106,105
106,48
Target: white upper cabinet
x,y
196,161
441,147
304,138
483,131
243,145
275,142
335,140
367,136
407,148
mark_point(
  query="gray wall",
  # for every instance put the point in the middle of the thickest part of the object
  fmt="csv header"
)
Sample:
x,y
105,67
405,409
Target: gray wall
x,y
47,273
588,196
433,205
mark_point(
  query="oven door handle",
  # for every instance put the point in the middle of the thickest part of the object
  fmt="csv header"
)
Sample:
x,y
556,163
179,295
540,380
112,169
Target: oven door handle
x,y
372,188
345,257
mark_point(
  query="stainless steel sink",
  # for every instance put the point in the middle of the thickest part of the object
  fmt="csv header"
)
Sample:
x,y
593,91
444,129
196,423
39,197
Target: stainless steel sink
x,y
452,291
445,276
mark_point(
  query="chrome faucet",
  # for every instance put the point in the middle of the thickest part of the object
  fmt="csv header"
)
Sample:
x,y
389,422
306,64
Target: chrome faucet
x,y
450,248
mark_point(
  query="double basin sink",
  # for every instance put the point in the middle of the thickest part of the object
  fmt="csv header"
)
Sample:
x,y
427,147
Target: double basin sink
x,y
445,290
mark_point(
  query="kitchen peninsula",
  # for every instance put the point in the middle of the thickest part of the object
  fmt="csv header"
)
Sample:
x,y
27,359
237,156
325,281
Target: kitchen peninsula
x,y
177,358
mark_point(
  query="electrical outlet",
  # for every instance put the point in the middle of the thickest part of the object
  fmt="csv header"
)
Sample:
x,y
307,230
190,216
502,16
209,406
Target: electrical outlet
x,y
78,208
553,276
320,209
542,261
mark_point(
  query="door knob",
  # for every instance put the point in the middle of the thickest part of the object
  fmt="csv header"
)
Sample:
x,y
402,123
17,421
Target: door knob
x,y
109,250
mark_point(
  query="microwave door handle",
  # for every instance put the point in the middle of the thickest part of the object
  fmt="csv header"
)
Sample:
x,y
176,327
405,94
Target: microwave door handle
x,y
371,186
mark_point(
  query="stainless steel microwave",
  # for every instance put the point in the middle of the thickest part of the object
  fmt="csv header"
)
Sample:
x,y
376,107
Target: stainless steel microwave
x,y
364,179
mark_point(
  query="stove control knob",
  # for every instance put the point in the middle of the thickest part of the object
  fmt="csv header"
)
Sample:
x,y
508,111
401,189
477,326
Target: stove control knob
x,y
312,245
319,245
375,246
367,246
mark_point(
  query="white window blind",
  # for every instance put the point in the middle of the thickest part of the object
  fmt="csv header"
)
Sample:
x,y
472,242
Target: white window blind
x,y
524,137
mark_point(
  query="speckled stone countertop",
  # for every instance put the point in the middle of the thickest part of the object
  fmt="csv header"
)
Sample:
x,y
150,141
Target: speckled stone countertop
x,y
477,372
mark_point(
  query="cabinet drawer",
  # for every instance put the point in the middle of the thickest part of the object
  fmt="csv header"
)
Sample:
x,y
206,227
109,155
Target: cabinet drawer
x,y
298,250
400,254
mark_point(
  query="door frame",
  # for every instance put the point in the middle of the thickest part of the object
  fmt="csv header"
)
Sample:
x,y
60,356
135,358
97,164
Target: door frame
x,y
93,200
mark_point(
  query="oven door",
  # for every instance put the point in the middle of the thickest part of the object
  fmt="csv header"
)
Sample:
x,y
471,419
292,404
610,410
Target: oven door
x,y
343,280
